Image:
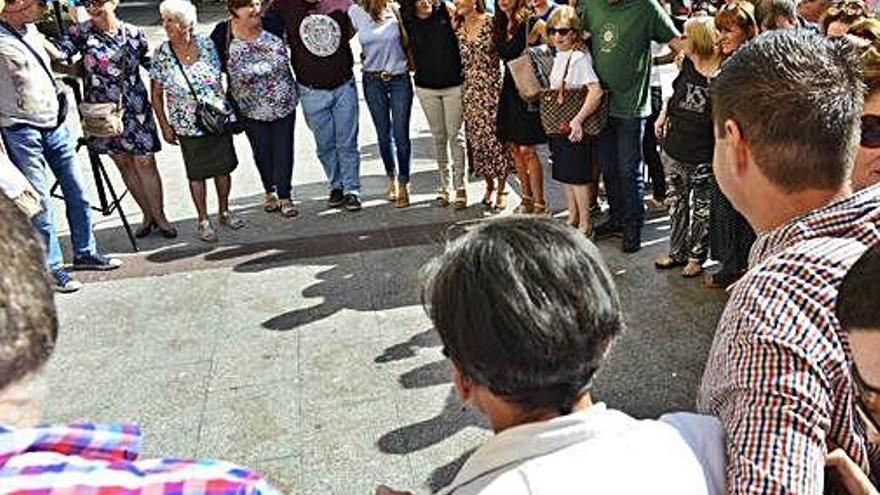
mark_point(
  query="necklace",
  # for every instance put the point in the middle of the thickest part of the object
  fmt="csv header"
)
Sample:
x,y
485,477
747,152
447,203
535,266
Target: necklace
x,y
187,52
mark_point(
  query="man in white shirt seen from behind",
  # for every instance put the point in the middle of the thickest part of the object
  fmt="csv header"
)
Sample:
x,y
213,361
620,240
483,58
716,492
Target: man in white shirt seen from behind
x,y
524,349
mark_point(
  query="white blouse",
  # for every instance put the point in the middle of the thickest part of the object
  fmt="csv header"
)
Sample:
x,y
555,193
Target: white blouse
x,y
580,70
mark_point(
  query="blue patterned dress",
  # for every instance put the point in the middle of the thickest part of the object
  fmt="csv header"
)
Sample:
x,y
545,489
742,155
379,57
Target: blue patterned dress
x,y
103,54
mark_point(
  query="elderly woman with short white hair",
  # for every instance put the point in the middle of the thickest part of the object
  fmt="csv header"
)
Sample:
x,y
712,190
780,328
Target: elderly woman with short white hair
x,y
187,81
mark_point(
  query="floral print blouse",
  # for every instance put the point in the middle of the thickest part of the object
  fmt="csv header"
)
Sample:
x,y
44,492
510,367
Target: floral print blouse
x,y
261,78
111,63
205,76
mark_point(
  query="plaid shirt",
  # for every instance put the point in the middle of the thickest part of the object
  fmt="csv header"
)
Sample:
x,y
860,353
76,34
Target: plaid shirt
x,y
91,459
778,372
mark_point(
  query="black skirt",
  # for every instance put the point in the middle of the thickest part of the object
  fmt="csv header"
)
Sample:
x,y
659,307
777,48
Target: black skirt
x,y
516,121
208,156
571,162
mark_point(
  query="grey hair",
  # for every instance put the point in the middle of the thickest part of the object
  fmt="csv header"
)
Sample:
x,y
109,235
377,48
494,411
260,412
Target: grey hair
x,y
183,11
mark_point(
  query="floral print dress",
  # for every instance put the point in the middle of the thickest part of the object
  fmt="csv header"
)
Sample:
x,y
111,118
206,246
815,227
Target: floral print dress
x,y
261,78
482,87
205,76
104,57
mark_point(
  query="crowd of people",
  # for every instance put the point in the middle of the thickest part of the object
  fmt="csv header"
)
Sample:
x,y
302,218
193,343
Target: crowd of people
x,y
769,147
259,64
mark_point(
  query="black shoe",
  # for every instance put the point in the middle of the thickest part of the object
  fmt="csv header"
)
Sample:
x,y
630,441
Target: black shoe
x,y
352,202
336,198
632,239
145,230
608,229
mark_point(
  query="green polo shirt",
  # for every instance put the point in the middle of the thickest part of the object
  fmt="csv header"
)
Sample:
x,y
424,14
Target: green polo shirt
x,y
621,46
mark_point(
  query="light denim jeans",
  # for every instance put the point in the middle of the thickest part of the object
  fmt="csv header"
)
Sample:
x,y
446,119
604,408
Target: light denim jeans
x,y
34,151
332,115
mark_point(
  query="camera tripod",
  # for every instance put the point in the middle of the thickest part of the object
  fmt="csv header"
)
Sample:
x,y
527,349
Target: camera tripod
x,y
103,185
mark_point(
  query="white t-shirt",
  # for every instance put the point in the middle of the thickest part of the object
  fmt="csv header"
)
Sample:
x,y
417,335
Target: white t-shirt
x,y
580,70
597,450
382,49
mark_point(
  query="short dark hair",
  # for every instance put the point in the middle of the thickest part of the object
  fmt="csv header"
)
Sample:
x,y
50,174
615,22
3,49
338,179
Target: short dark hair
x,y
526,308
769,10
28,324
857,306
798,99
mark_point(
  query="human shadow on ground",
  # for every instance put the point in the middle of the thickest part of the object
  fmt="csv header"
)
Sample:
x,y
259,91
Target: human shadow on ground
x,y
428,338
443,475
453,418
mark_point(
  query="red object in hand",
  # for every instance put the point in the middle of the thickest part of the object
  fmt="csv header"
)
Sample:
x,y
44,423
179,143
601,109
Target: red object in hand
x,y
565,128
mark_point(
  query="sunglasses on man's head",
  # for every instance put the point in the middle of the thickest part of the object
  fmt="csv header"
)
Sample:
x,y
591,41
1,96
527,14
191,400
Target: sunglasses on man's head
x,y
870,131
559,31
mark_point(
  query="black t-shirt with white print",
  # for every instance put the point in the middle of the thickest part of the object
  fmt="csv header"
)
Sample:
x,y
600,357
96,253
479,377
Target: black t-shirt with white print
x,y
319,42
689,134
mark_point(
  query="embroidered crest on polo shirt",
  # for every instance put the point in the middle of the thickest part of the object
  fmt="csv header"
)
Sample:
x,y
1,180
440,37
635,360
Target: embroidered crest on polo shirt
x,y
320,34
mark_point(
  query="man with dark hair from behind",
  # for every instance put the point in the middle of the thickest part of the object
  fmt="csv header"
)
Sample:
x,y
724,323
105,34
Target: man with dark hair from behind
x,y
91,459
778,372
859,314
777,14
524,349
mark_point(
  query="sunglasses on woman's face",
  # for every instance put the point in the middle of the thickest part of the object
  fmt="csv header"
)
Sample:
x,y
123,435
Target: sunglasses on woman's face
x,y
559,31
870,131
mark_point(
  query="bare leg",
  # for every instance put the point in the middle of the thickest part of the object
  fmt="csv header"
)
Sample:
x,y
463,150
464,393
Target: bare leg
x,y
132,181
199,196
581,193
223,183
522,172
145,165
571,204
535,172
490,187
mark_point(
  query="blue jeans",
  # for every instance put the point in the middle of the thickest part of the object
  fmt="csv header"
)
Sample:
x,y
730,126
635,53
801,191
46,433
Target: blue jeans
x,y
272,145
620,155
332,115
34,150
390,104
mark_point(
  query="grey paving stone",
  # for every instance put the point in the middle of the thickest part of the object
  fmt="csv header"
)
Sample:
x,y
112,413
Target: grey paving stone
x,y
339,453
166,402
250,423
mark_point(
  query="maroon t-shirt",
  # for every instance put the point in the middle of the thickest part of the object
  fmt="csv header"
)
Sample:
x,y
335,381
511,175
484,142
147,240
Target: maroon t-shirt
x,y
319,35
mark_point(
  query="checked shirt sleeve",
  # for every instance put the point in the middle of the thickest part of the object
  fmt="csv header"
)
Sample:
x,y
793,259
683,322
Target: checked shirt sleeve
x,y
777,378
775,418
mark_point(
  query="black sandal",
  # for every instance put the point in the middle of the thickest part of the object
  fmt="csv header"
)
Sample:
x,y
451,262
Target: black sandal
x,y
169,233
144,230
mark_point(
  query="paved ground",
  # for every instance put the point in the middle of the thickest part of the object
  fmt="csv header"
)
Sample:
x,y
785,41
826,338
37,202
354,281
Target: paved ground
x,y
299,346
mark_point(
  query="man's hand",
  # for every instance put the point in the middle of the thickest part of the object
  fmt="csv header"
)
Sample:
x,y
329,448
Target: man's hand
x,y
853,478
384,490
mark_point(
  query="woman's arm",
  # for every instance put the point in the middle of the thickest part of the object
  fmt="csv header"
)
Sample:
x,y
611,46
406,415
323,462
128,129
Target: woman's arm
x,y
591,103
157,99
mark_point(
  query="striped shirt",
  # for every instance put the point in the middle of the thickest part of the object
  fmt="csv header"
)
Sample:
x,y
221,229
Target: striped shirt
x,y
92,459
778,372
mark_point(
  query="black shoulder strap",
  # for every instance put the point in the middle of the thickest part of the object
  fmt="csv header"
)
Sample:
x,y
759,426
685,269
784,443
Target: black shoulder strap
x,y
182,71
36,55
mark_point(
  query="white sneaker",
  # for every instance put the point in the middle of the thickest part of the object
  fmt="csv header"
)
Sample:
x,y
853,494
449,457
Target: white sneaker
x,y
228,219
206,231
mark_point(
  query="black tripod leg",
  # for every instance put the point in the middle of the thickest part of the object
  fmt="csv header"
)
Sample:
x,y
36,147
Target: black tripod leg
x,y
116,200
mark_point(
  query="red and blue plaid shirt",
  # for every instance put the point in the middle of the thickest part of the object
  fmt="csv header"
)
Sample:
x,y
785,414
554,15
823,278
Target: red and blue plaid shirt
x,y
93,459
778,374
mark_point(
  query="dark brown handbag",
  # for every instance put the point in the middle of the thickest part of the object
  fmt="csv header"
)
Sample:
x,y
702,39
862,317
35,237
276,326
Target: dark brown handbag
x,y
560,106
